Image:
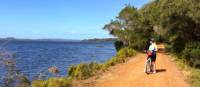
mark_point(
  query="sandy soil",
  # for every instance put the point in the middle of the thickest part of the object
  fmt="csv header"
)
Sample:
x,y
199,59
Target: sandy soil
x,y
131,74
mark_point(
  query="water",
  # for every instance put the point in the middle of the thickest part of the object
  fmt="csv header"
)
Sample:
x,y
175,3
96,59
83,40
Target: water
x,y
34,57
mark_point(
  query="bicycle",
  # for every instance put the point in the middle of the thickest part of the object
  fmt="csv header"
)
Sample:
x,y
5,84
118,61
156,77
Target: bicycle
x,y
149,65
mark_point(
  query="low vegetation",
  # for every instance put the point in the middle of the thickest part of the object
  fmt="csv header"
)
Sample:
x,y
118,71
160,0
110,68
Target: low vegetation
x,y
85,70
191,73
191,54
189,61
52,82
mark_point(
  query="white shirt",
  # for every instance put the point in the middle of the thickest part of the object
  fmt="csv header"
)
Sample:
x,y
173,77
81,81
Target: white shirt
x,y
153,47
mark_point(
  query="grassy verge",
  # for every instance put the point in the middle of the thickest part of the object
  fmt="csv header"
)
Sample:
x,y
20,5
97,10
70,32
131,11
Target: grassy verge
x,y
52,82
192,74
84,71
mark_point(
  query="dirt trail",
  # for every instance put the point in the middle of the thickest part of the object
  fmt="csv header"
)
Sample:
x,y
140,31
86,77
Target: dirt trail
x,y
130,74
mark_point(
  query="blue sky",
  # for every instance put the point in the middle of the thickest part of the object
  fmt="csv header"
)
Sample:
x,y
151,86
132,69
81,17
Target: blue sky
x,y
65,19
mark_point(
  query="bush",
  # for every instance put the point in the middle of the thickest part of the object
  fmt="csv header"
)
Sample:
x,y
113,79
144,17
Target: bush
x,y
139,44
39,83
58,82
126,52
118,45
52,82
177,44
93,66
191,54
195,78
71,70
84,71
80,71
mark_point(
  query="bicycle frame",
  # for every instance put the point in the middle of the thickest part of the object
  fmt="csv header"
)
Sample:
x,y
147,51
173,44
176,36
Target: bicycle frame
x,y
149,66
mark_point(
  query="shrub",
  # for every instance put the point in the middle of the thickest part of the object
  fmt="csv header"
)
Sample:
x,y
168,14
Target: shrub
x,y
126,52
177,44
93,66
168,47
195,78
191,54
118,45
84,71
80,71
52,82
138,44
71,70
39,83
58,82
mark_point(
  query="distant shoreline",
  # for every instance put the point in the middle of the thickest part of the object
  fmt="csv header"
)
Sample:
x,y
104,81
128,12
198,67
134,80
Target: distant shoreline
x,y
60,40
100,40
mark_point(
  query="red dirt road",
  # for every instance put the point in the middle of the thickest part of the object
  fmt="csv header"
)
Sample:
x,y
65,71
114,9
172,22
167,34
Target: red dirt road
x,y
131,74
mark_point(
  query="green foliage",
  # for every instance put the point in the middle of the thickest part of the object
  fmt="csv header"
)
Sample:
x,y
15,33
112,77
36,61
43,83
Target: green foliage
x,y
118,45
114,25
166,18
195,78
108,63
175,21
71,70
39,83
120,57
138,42
84,71
126,52
192,73
177,44
131,27
94,67
191,54
52,82
58,82
80,71
177,17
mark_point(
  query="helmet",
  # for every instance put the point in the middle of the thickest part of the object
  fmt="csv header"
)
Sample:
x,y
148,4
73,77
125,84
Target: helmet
x,y
152,39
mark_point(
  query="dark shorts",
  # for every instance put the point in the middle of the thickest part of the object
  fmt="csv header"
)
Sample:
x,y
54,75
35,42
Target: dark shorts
x,y
153,57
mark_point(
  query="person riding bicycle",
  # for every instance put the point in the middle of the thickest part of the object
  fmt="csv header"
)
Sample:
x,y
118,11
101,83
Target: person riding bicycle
x,y
151,53
153,49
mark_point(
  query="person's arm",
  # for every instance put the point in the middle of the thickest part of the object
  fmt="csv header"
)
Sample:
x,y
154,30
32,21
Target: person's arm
x,y
156,49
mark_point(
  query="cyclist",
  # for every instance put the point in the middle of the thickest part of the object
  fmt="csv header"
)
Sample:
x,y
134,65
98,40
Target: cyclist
x,y
153,49
151,52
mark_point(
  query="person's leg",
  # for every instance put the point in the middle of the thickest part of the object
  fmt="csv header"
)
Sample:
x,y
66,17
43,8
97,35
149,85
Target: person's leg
x,y
154,67
154,62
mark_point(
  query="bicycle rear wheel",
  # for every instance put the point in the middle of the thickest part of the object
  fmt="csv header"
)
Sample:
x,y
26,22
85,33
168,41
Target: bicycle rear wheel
x,y
148,65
